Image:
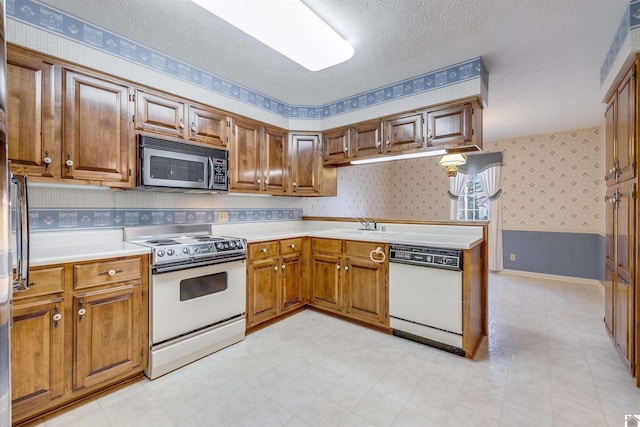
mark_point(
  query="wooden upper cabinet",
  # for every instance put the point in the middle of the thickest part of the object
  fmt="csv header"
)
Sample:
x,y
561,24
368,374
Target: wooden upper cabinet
x,y
625,126
336,146
245,157
274,162
610,144
159,113
450,125
208,126
30,115
97,143
366,139
404,132
305,161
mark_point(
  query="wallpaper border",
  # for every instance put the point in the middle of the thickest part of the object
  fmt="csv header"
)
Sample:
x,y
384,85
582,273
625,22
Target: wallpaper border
x,y
57,22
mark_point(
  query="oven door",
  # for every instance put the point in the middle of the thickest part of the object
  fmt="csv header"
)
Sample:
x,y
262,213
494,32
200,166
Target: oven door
x,y
188,300
161,168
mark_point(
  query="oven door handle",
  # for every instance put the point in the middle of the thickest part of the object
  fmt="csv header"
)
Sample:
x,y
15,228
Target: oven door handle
x,y
160,269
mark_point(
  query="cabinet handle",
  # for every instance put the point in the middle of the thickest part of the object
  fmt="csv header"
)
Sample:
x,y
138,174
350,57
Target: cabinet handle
x,y
111,272
194,129
292,246
388,142
56,317
345,149
377,251
81,311
430,134
266,180
69,163
282,266
337,266
346,268
47,160
181,125
275,268
265,250
294,184
258,181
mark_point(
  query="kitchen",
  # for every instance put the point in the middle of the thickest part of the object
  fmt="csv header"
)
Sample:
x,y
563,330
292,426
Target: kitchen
x,y
382,191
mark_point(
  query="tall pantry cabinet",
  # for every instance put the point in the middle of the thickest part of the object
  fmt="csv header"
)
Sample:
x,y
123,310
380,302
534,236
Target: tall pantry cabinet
x,y
622,299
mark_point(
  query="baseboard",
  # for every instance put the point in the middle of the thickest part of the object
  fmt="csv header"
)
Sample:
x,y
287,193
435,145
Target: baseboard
x,y
582,280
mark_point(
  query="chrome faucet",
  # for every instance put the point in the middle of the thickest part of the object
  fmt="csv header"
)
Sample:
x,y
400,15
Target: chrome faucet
x,y
366,223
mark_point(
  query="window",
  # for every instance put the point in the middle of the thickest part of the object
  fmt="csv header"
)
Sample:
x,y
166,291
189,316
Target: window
x,y
472,204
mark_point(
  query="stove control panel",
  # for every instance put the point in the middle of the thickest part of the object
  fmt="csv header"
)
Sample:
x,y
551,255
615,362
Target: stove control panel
x,y
193,251
450,259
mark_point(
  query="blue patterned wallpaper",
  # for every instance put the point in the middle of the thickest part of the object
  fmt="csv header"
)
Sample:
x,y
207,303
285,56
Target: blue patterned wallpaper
x,y
630,21
42,219
46,18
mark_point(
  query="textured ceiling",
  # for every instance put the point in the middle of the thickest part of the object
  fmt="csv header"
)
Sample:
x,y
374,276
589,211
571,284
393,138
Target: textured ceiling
x,y
543,56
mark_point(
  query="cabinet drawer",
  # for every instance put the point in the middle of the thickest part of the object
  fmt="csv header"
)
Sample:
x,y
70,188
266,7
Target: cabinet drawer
x,y
42,282
363,249
262,250
105,272
289,246
326,245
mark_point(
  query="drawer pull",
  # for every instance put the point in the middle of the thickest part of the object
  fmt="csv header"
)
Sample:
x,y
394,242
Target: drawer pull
x,y
275,268
377,255
81,311
56,317
111,272
292,246
264,250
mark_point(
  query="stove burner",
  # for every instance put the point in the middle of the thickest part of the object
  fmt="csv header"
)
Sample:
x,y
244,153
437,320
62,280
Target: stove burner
x,y
162,242
207,238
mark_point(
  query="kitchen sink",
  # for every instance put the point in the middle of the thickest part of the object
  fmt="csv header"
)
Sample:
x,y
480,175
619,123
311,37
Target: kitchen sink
x,y
359,233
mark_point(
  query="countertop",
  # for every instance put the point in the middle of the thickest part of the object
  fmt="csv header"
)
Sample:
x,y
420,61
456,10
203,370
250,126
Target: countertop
x,y
73,246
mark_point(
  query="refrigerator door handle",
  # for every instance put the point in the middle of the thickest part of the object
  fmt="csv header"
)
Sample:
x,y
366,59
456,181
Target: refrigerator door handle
x,y
21,282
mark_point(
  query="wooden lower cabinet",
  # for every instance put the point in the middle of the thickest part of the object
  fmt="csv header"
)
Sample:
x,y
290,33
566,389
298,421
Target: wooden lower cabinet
x,y
68,342
274,279
343,279
108,329
37,355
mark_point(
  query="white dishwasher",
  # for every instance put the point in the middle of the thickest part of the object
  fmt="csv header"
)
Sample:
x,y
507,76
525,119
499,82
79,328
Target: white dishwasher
x,y
425,295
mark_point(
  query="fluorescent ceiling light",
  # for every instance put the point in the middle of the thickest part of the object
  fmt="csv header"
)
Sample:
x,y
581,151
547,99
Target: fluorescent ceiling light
x,y
288,26
399,157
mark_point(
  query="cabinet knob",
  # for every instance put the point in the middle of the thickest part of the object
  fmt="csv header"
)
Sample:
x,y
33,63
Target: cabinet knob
x,y
69,163
194,129
388,142
56,317
282,266
337,266
47,160
346,268
258,181
111,272
181,125
292,246
82,312
264,250
294,184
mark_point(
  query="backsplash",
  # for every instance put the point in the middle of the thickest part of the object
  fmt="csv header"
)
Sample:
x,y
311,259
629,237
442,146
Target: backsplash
x,y
59,208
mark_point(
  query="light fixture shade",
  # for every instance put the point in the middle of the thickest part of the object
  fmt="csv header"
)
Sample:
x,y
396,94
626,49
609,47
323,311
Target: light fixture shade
x,y
398,157
451,162
287,26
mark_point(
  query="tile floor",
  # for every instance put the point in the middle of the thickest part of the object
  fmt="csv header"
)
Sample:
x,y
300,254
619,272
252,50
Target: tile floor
x,y
548,362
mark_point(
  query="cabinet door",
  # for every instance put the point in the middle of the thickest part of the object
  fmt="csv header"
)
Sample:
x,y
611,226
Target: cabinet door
x,y
365,290
262,295
108,334
244,155
208,126
159,113
305,164
274,163
30,116
610,141
609,286
326,273
610,226
625,128
404,132
624,321
366,139
450,126
291,283
37,355
336,146
96,132
625,231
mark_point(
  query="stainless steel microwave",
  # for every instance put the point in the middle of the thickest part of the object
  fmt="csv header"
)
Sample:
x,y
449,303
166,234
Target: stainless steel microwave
x,y
170,165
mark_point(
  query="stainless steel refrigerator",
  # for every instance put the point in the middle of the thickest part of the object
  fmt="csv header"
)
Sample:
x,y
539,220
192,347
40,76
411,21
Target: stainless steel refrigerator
x,y
6,279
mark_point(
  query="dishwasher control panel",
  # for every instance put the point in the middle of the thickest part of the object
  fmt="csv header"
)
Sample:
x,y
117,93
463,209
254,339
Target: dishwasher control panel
x,y
450,259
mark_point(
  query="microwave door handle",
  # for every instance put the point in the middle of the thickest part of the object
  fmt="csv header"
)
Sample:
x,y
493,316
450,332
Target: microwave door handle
x,y
21,282
211,173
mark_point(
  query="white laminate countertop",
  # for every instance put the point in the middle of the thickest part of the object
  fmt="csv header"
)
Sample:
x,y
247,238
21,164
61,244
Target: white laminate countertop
x,y
73,246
